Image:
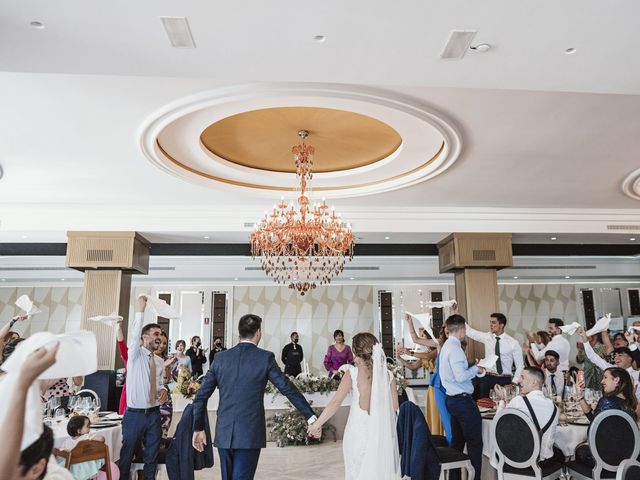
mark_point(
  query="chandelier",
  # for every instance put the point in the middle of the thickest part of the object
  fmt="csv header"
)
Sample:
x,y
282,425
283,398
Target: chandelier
x,y
305,245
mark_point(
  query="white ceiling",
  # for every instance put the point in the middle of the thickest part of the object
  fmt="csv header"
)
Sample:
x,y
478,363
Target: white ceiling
x,y
547,137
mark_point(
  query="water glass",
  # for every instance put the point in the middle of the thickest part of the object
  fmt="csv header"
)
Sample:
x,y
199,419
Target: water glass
x,y
59,415
492,395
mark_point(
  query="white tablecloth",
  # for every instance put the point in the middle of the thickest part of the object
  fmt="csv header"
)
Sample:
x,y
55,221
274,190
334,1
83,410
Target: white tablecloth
x,y
112,437
567,438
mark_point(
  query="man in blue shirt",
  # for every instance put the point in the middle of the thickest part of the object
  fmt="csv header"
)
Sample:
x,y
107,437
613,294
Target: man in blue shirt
x,y
456,376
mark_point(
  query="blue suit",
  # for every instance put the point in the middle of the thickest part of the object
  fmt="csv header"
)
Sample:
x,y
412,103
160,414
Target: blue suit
x,y
241,374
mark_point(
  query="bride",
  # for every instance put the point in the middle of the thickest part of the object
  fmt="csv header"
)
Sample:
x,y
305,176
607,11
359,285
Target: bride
x,y
370,445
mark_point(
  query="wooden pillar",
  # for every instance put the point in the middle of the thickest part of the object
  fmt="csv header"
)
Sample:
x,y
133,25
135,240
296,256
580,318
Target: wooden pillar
x,y
475,258
108,259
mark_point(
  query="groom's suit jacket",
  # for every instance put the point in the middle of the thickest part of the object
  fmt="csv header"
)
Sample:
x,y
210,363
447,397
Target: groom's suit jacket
x,y
241,374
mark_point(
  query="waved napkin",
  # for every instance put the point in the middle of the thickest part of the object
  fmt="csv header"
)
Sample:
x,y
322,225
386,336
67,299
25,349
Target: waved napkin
x,y
162,308
488,362
107,319
571,328
25,304
425,321
600,326
77,355
446,303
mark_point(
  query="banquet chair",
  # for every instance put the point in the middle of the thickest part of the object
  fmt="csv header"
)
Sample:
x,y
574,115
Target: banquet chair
x,y
85,451
628,470
613,438
517,447
85,392
138,465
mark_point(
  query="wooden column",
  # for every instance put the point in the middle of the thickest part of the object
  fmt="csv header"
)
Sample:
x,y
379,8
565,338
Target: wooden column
x,y
108,259
474,258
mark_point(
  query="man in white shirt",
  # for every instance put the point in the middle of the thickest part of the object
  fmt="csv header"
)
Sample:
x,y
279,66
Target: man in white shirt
x,y
505,347
145,393
623,359
558,344
541,410
555,380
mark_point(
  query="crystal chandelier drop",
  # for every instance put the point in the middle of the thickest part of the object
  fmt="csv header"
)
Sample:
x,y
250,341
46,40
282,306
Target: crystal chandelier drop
x,y
307,245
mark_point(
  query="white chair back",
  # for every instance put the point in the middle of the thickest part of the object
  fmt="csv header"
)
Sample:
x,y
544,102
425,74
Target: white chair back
x,y
411,395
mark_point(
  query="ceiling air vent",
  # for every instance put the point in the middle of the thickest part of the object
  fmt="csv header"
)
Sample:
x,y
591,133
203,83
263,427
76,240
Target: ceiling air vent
x,y
458,44
178,31
96,255
484,255
623,227
249,224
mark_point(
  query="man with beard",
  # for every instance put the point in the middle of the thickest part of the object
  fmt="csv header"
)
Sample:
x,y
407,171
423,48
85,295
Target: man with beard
x,y
145,394
292,356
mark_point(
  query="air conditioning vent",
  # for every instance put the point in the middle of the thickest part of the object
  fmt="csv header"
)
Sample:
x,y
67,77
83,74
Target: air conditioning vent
x,y
178,31
458,44
99,255
249,224
553,267
623,227
484,255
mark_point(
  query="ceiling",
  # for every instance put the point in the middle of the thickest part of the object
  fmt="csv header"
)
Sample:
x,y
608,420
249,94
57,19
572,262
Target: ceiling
x,y
547,138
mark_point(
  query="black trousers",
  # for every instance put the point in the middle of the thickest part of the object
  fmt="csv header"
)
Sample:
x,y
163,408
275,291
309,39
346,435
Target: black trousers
x,y
466,427
488,382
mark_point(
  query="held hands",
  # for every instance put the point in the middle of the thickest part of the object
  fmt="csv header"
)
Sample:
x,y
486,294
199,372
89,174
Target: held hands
x,y
314,430
199,440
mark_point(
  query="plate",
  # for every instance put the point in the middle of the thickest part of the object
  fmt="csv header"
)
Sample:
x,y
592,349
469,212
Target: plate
x,y
408,358
104,414
579,421
486,409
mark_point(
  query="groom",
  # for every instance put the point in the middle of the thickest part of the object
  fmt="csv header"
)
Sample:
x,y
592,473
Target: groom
x,y
241,374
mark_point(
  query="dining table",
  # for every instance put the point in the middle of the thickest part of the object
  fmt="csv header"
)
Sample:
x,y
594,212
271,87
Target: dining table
x,y
110,427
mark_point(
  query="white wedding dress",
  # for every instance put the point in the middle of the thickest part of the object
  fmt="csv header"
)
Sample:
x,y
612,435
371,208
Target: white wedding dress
x,y
370,445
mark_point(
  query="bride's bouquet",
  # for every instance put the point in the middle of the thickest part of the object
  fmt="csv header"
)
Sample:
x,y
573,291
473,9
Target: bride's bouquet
x,y
398,373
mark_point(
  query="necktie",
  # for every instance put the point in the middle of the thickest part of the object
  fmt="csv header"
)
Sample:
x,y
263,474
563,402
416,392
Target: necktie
x,y
499,362
153,387
554,389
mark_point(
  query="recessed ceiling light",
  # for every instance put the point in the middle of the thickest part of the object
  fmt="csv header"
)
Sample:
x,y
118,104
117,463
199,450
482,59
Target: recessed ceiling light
x,y
352,278
387,238
570,51
319,38
206,237
482,48
62,279
236,279
24,237
633,239
567,276
554,238
36,24
515,278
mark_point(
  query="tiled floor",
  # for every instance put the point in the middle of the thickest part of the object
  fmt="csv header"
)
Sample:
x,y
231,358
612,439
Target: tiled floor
x,y
317,462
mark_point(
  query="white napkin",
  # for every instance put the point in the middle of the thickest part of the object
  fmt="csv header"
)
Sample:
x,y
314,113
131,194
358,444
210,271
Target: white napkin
x,y
632,329
162,308
408,358
488,362
24,303
571,328
76,356
600,326
425,321
446,303
107,319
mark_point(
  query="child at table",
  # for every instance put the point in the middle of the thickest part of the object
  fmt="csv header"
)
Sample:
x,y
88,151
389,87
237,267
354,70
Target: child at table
x,y
78,429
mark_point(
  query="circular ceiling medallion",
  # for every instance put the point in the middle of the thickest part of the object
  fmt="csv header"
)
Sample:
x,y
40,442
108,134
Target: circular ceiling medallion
x,y
262,139
631,185
366,140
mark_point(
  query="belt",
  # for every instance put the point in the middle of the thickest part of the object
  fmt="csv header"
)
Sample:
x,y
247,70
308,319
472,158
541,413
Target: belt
x,y
460,395
505,375
143,410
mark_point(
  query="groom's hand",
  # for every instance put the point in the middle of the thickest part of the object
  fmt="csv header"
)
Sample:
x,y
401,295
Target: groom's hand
x,y
199,441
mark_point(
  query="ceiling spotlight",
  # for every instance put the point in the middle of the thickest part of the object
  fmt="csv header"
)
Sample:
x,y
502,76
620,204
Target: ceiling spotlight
x,y
36,24
24,237
236,279
633,239
515,278
206,237
554,238
62,279
482,48
352,278
570,51
567,276
319,38
387,238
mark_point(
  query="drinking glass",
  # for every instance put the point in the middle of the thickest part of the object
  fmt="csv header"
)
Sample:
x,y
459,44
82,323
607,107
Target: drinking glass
x,y
59,415
493,395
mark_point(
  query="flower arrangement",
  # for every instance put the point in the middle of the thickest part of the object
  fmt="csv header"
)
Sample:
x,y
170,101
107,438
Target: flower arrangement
x,y
310,384
186,386
398,373
290,428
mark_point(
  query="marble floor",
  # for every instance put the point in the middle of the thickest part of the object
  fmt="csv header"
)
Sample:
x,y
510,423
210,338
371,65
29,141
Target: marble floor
x,y
317,462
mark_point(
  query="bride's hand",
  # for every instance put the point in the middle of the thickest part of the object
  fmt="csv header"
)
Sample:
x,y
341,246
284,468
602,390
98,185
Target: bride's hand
x,y
314,430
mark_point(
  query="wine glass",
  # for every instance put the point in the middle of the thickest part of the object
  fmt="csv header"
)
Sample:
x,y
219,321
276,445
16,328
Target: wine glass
x,y
59,415
493,395
97,404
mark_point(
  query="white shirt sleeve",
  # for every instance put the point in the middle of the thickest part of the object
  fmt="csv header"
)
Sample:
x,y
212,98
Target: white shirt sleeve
x,y
477,335
134,334
596,359
518,360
